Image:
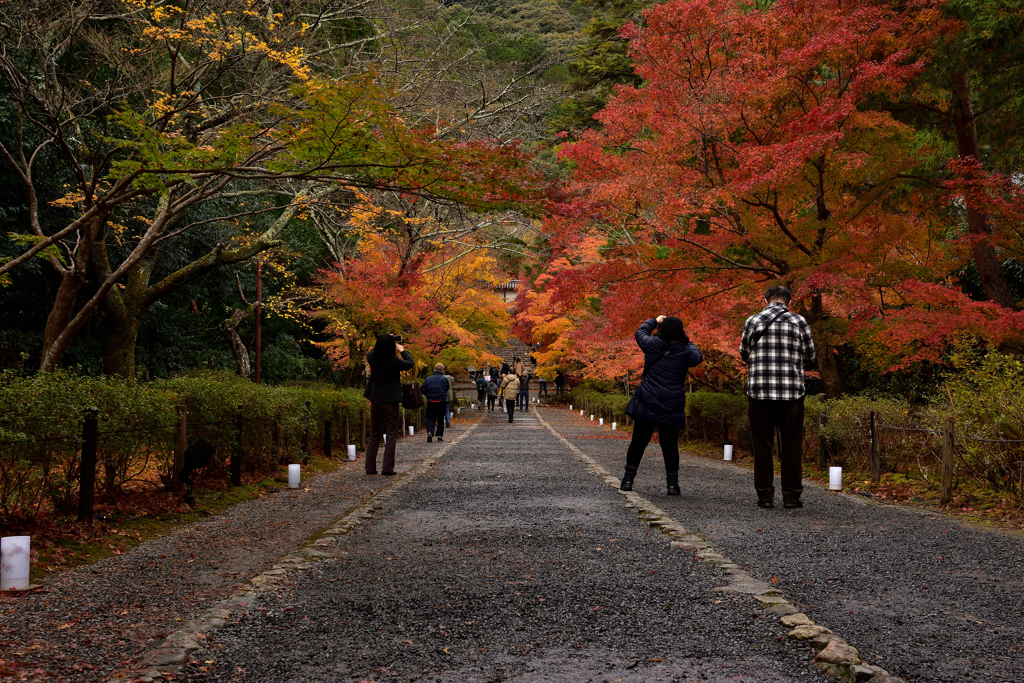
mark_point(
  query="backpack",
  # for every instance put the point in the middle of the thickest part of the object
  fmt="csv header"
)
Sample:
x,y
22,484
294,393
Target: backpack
x,y
481,384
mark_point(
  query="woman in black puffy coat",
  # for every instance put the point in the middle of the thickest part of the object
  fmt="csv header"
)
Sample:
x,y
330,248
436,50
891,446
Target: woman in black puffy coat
x,y
660,400
384,391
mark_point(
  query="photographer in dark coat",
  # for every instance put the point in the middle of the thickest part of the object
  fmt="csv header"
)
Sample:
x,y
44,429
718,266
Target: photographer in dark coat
x,y
435,391
384,391
660,400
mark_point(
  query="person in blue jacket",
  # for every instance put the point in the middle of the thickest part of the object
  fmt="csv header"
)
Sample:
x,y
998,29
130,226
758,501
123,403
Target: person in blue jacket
x,y
660,400
435,392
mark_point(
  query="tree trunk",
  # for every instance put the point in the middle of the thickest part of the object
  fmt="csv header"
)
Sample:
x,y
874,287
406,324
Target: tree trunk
x,y
120,335
993,280
229,330
827,366
63,310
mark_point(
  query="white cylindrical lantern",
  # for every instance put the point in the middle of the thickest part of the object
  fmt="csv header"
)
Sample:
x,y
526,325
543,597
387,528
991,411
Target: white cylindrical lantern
x,y
835,478
458,411
591,418
472,406
412,430
15,552
615,426
570,406
294,476
728,451
600,421
385,439
581,413
351,451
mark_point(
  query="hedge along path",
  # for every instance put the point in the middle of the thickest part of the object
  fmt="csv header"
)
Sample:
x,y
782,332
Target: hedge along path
x,y
167,660
835,658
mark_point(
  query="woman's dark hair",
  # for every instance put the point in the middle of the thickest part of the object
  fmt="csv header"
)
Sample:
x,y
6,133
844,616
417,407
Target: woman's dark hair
x,y
384,348
671,330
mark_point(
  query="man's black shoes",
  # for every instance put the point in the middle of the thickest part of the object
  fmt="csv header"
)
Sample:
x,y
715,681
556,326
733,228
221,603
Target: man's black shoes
x,y
765,504
792,505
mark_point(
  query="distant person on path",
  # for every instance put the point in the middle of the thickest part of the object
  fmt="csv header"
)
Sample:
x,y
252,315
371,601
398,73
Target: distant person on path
x,y
660,400
492,394
517,366
775,344
559,383
505,369
542,386
451,398
523,400
509,390
435,392
384,392
481,392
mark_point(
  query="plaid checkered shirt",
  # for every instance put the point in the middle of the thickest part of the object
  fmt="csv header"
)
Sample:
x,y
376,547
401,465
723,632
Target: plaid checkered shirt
x,y
775,365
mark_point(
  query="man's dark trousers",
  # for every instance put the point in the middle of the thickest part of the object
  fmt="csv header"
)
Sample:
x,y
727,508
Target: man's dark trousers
x,y
788,417
435,414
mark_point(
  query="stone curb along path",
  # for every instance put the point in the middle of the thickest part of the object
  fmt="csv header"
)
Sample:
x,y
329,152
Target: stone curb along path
x,y
169,658
835,656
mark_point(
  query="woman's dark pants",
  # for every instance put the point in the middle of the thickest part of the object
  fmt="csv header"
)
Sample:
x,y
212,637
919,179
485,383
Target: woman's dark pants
x,y
788,418
643,430
510,407
384,419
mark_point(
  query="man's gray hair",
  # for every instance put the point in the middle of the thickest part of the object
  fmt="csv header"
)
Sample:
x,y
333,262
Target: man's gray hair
x,y
778,292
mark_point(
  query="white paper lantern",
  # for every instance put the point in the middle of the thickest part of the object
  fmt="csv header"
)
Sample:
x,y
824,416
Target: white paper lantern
x,y
458,411
472,406
591,418
600,421
728,451
615,426
294,476
581,413
570,406
351,451
412,430
15,554
835,478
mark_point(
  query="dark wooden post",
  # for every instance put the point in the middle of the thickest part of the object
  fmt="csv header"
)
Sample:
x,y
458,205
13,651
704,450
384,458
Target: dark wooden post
x,y
946,490
87,480
346,432
236,452
876,458
328,441
822,444
181,443
362,430
725,430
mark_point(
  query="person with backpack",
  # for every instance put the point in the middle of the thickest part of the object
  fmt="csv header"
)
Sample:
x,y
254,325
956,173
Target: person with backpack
x,y
509,390
451,398
492,394
384,392
435,391
481,392
660,400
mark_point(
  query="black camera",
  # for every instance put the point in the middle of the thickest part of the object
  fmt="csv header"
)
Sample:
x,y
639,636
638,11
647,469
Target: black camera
x,y
397,338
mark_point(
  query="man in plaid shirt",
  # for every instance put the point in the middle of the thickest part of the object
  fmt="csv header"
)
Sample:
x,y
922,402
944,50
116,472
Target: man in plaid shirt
x,y
774,346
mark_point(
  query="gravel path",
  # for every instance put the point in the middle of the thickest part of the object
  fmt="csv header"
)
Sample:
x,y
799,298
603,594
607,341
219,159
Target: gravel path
x,y
91,622
923,595
506,561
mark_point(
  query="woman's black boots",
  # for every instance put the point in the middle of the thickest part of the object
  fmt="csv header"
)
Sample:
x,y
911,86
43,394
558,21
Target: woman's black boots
x,y
673,483
627,479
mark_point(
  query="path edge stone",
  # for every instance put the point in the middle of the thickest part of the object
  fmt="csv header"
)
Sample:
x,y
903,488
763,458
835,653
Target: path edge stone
x,y
835,658
171,655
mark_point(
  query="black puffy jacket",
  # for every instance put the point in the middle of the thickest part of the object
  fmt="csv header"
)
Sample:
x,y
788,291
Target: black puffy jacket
x,y
661,396
386,378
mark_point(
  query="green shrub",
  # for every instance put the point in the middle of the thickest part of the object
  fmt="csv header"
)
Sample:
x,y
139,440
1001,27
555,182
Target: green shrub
x,y
706,411
41,421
